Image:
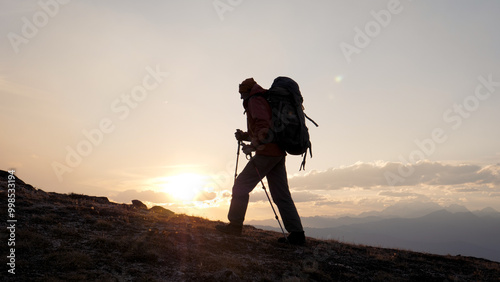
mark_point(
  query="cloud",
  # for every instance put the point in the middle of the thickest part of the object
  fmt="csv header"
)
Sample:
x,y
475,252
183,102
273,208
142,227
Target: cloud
x,y
372,175
259,197
328,203
364,175
444,174
357,175
297,196
162,197
306,196
401,194
205,196
147,195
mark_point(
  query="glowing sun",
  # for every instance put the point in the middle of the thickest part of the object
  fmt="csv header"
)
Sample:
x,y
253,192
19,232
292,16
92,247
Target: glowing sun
x,y
184,187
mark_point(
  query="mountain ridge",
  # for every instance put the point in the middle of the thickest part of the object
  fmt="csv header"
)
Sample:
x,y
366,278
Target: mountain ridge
x,y
87,238
437,232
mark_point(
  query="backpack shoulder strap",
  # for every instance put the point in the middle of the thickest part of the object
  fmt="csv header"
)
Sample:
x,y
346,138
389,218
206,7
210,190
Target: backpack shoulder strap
x,y
311,120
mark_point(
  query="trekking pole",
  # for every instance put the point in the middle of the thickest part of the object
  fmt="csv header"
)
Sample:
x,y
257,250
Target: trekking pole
x,y
237,159
269,199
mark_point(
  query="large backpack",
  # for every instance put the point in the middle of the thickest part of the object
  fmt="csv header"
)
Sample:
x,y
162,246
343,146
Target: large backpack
x,y
288,128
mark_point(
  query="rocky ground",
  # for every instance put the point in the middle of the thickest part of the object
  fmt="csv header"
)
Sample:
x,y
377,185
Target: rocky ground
x,y
60,237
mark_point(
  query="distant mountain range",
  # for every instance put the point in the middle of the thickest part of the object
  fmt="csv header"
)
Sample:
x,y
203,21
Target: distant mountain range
x,y
453,230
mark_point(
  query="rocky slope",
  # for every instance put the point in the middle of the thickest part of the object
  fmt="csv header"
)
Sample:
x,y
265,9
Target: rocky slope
x,y
60,237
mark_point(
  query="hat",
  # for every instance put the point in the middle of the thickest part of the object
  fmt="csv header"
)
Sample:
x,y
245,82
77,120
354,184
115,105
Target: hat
x,y
247,85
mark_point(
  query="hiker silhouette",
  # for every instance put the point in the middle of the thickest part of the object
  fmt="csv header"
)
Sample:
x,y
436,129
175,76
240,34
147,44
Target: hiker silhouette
x,y
268,161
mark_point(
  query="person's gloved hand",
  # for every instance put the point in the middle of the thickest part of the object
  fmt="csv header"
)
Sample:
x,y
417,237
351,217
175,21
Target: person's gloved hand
x,y
241,135
248,149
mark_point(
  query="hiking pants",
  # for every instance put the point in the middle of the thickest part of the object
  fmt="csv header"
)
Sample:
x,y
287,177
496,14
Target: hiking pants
x,y
273,168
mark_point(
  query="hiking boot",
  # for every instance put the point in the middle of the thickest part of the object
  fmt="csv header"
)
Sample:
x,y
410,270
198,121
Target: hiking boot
x,y
231,229
295,238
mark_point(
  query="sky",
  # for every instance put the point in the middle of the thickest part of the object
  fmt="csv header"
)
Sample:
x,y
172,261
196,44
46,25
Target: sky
x,y
138,99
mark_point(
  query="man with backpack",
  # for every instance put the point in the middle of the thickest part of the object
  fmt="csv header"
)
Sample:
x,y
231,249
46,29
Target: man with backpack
x,y
268,161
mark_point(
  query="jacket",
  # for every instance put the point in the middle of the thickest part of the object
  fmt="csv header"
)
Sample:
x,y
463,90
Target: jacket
x,y
259,120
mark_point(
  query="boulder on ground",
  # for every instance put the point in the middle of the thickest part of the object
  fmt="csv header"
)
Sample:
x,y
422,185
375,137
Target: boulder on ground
x,y
139,205
162,210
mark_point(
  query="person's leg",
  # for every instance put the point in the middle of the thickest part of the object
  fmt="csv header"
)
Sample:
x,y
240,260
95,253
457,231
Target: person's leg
x,y
245,183
278,186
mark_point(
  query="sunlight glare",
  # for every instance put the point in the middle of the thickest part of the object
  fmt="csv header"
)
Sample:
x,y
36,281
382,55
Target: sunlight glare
x,y
184,187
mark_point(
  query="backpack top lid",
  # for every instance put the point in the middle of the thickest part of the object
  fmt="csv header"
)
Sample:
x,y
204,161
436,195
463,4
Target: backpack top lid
x,y
290,85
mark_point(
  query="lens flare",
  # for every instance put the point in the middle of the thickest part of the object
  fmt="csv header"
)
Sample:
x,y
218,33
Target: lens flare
x,y
184,187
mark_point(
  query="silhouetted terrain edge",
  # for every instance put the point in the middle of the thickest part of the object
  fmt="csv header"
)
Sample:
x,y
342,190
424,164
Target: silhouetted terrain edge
x,y
453,230
61,237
